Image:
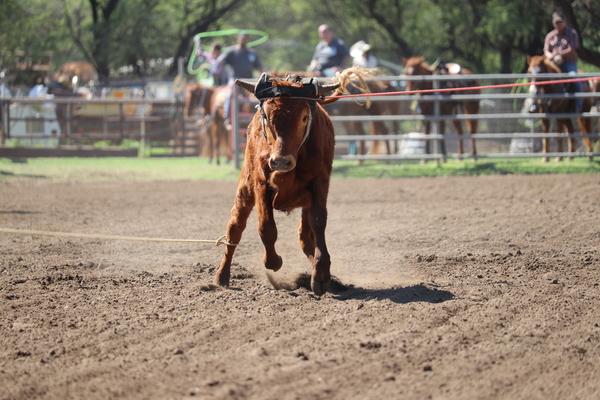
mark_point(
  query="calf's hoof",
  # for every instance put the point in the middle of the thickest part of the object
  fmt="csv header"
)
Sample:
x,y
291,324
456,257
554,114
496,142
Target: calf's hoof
x,y
319,286
273,263
222,277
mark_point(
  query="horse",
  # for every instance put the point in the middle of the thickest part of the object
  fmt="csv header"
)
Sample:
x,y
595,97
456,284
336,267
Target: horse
x,y
78,73
196,110
415,66
71,80
218,132
541,65
369,108
65,111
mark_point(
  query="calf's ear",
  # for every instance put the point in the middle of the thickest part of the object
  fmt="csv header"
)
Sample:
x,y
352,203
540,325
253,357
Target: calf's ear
x,y
248,86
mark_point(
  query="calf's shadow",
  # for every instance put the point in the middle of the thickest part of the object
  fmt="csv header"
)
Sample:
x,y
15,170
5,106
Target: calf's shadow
x,y
396,294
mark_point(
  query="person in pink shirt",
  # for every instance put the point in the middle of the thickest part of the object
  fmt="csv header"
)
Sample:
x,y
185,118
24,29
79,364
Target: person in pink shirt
x,y
560,46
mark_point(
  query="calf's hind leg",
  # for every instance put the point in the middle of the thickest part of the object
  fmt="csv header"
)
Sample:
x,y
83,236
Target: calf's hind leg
x,y
244,201
317,218
307,239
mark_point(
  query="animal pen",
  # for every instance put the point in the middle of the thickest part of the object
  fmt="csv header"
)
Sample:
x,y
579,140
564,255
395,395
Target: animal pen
x,y
158,127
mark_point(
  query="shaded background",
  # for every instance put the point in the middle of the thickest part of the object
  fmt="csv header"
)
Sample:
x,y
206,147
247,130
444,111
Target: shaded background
x,y
140,38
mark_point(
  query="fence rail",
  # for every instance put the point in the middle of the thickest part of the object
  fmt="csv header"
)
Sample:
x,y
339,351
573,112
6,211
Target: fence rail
x,y
488,116
83,121
138,119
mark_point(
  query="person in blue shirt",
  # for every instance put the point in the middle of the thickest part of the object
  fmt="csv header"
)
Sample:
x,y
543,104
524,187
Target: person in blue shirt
x,y
241,59
330,54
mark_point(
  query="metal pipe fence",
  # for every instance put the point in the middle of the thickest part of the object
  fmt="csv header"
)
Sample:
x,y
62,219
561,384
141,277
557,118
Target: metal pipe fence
x,y
494,113
80,121
500,119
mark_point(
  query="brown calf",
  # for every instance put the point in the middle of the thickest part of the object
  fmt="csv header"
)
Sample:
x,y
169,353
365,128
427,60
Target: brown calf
x,y
287,165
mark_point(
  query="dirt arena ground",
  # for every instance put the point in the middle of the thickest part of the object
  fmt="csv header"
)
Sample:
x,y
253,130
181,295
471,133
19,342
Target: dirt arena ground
x,y
464,288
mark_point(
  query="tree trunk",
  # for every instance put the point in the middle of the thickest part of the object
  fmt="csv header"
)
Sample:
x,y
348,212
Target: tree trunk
x,y
201,25
506,59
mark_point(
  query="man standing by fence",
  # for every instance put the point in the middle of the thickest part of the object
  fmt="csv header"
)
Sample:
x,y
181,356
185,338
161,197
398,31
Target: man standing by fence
x,y
242,61
560,46
330,54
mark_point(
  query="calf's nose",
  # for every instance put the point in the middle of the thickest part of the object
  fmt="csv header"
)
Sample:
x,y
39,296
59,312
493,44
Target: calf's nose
x,y
280,163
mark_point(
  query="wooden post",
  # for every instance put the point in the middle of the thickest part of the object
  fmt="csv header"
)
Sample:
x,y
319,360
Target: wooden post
x,y
121,122
68,116
142,147
3,126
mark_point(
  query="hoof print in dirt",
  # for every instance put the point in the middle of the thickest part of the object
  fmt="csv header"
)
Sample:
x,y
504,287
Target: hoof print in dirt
x,y
304,281
242,275
209,287
370,345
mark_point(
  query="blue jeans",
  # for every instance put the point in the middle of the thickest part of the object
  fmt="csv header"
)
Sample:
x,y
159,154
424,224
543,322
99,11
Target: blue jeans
x,y
570,67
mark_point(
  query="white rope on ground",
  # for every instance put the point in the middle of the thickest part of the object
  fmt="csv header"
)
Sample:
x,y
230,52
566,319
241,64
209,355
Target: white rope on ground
x,y
220,241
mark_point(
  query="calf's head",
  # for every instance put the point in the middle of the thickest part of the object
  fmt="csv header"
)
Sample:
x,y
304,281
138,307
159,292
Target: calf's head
x,y
286,111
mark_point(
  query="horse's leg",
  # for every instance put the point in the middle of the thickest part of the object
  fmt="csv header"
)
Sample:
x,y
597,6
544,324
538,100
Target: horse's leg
x,y
396,131
217,139
244,201
473,109
359,129
267,228
559,141
352,128
305,233
458,126
572,142
211,134
317,219
427,142
442,125
546,127
228,141
378,127
585,126
375,127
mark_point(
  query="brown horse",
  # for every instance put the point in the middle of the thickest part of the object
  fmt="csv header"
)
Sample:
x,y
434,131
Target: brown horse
x,y
196,111
83,70
69,82
415,66
541,65
196,100
218,132
369,108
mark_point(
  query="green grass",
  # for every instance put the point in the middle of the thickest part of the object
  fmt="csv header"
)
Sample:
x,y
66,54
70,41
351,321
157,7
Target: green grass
x,y
115,168
193,168
465,168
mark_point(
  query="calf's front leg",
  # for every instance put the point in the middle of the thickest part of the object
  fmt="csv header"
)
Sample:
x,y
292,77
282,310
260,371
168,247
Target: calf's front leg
x,y
244,201
267,228
317,218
